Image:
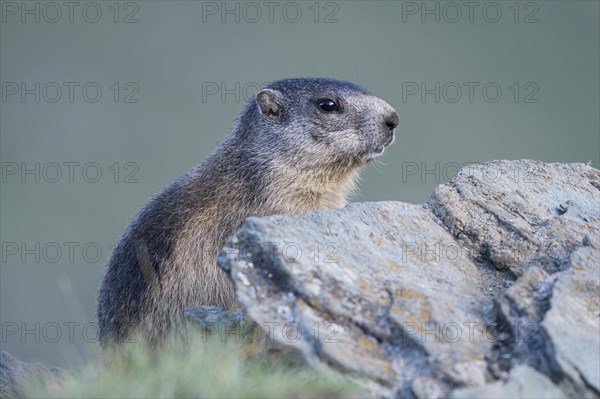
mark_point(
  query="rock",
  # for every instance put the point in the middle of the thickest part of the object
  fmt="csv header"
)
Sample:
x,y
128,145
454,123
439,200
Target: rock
x,y
571,323
495,277
210,316
520,213
17,377
524,382
219,324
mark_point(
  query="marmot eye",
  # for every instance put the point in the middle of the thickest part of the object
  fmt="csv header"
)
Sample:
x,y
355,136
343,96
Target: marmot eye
x,y
328,105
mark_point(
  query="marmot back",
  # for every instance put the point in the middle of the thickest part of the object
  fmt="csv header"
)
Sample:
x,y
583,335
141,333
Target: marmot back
x,y
296,147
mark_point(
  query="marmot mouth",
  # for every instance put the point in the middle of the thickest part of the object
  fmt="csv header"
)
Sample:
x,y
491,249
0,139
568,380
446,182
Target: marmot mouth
x,y
391,140
378,151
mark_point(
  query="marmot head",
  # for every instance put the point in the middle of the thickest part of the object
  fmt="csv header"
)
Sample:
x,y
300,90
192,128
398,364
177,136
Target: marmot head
x,y
319,122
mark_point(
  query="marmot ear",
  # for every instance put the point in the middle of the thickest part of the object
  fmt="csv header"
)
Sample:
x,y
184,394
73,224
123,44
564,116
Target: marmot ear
x,y
270,103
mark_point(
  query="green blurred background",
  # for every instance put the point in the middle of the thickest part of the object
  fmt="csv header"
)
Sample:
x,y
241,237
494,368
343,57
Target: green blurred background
x,y
190,68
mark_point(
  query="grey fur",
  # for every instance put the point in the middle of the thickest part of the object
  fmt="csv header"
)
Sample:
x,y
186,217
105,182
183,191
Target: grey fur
x,y
284,156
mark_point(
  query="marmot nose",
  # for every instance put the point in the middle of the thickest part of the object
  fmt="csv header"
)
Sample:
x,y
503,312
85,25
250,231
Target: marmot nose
x,y
391,121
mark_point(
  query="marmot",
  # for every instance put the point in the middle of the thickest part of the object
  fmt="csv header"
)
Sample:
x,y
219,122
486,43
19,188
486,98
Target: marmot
x,y
296,147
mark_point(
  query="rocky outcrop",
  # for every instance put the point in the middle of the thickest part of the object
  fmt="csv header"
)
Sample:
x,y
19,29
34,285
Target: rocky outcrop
x,y
17,378
489,289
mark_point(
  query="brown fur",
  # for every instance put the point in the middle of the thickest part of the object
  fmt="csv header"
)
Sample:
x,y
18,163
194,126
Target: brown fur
x,y
284,156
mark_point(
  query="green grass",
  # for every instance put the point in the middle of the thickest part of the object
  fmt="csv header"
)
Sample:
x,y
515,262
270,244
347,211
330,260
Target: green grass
x,y
201,369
